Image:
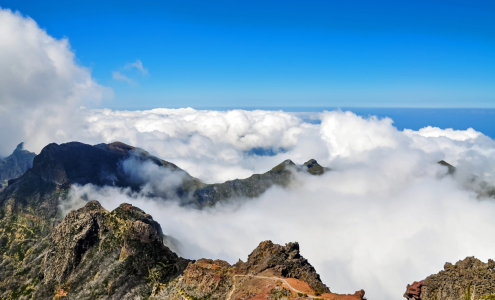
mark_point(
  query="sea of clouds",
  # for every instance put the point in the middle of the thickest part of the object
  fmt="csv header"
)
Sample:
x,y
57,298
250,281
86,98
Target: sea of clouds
x,y
386,215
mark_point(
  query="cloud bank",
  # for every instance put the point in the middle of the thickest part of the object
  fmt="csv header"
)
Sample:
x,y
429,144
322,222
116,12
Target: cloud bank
x,y
385,216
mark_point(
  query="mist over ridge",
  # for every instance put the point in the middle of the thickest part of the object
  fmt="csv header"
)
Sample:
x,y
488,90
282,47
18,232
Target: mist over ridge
x,y
386,207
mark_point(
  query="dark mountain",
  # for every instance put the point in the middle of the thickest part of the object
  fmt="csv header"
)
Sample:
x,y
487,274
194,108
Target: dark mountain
x,y
58,167
16,164
78,163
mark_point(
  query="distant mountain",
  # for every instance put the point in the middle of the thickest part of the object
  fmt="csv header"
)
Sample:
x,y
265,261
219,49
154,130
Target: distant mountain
x,y
58,167
16,164
256,184
474,183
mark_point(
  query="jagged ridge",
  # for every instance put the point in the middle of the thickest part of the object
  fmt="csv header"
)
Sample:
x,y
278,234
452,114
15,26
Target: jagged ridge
x,y
467,279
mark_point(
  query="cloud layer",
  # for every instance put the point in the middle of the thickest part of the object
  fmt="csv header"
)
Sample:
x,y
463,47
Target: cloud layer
x,y
386,215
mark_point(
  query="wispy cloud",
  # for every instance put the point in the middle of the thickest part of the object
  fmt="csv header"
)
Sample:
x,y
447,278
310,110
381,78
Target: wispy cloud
x,y
121,77
138,64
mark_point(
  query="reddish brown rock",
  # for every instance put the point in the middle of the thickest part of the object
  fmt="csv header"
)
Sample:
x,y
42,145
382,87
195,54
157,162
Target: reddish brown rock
x,y
413,291
359,294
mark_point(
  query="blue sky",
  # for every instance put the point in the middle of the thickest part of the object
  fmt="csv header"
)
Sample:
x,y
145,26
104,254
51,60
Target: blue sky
x,y
257,54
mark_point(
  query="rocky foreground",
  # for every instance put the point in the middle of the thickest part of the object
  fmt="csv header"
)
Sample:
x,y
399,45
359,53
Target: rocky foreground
x,y
465,280
96,254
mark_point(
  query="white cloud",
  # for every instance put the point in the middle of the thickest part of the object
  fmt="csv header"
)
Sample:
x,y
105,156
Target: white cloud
x,y
138,65
363,227
385,216
121,77
457,135
40,84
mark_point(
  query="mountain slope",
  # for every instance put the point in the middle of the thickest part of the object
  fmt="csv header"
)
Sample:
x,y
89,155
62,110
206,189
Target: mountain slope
x,y
16,164
467,279
271,272
93,254
96,254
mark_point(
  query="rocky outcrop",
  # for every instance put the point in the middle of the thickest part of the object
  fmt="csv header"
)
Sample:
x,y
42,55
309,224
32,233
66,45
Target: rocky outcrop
x,y
467,279
271,272
16,164
284,261
413,291
96,254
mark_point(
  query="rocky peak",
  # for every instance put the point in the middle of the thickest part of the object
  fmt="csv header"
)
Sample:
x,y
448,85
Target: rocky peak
x,y
284,261
271,272
283,166
314,168
19,147
121,250
465,279
16,164
117,146
450,167
79,231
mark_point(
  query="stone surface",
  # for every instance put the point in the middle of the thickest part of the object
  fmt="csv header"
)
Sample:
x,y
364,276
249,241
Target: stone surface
x,y
271,272
413,291
96,254
467,279
285,261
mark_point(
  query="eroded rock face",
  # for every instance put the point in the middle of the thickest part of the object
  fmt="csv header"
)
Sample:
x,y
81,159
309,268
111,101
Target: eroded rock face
x,y
468,278
96,254
413,291
285,261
